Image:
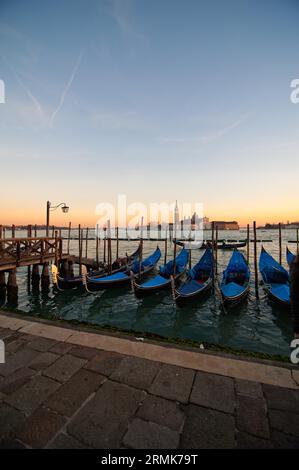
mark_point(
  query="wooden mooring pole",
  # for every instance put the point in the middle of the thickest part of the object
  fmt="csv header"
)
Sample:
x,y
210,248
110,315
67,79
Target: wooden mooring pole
x,y
297,241
216,251
97,244
12,286
2,286
255,262
280,243
248,241
45,278
86,243
69,238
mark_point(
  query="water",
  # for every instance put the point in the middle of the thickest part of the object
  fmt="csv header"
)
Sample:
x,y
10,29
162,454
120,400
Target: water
x,y
257,326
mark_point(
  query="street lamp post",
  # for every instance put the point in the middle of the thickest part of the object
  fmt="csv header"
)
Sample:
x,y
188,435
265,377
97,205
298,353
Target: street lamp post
x,y
64,209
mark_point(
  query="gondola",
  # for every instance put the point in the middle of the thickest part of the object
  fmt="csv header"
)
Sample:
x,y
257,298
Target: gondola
x,y
119,265
290,257
276,279
170,272
199,280
225,245
121,278
235,282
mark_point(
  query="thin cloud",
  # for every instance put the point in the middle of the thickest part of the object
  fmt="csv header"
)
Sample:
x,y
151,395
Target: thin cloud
x,y
209,137
37,105
66,89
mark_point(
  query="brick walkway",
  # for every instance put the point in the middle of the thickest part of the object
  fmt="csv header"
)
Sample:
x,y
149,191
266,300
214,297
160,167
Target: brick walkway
x,y
59,395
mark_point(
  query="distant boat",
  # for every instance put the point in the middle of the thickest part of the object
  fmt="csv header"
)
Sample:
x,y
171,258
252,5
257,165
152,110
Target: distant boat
x,y
165,276
199,280
119,265
235,281
225,245
276,279
290,257
204,245
124,277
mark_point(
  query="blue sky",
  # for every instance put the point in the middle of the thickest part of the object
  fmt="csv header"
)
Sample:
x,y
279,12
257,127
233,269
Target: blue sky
x,y
159,100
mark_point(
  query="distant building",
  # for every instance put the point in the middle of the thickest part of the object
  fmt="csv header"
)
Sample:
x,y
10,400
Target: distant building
x,y
223,225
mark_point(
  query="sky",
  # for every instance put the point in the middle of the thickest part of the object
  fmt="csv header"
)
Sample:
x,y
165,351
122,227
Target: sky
x,y
158,100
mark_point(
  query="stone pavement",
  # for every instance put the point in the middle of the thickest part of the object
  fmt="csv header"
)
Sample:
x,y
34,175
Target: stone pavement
x,y
59,394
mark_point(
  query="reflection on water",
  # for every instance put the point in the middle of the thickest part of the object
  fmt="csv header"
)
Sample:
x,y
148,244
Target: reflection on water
x,y
254,325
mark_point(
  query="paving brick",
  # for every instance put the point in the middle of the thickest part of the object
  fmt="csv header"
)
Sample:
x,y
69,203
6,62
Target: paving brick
x,y
43,360
214,391
101,423
105,362
31,395
39,428
63,369
14,381
73,393
284,421
85,353
173,382
251,389
14,346
207,429
136,372
17,361
284,441
10,418
246,441
282,398
64,441
146,435
252,416
61,348
41,344
164,412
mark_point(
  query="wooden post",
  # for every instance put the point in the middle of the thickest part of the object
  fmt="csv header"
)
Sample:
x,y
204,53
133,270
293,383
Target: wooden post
x,y
165,251
35,231
35,278
216,252
117,243
97,245
280,243
105,241
86,243
297,241
45,279
56,248
13,231
213,251
80,249
248,241
12,286
69,238
141,248
2,285
109,247
255,262
53,231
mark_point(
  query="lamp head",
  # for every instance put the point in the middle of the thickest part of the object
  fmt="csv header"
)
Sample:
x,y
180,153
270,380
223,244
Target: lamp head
x,y
65,209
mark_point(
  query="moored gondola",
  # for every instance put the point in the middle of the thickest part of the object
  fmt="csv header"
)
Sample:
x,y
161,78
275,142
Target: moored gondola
x,y
235,282
199,280
121,278
276,279
119,265
170,272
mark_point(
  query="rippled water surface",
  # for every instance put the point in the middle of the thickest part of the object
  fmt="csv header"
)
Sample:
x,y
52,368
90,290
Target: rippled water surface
x,y
254,326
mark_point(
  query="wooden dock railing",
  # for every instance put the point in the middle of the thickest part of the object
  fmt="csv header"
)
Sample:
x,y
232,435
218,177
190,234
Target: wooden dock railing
x,y
16,252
